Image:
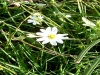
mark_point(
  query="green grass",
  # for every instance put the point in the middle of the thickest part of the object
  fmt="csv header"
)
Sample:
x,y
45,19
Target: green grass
x,y
78,55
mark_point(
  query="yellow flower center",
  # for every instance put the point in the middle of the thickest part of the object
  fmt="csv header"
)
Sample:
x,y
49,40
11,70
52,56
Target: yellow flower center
x,y
38,20
51,36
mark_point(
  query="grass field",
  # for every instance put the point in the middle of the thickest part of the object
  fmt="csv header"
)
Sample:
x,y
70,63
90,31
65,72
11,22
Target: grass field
x,y
50,37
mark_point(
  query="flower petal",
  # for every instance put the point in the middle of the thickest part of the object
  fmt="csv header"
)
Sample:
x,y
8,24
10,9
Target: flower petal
x,y
85,20
60,41
46,41
41,17
36,14
40,34
65,38
48,29
29,21
54,30
34,23
31,35
88,23
53,42
40,39
85,24
31,17
42,30
62,36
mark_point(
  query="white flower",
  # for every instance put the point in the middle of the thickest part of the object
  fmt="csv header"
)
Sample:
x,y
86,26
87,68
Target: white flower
x,y
87,22
36,18
50,35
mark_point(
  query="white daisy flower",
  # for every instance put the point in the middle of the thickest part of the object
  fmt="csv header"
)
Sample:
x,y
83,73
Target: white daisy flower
x,y
50,35
87,22
36,18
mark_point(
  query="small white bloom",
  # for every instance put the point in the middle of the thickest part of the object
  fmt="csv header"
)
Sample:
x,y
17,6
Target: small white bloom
x,y
50,35
87,22
68,16
36,18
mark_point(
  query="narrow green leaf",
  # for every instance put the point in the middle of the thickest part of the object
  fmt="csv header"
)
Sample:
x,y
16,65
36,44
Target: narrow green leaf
x,y
92,67
7,54
84,51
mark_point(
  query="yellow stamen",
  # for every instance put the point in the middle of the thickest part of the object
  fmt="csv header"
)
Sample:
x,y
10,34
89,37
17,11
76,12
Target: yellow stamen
x,y
51,36
38,20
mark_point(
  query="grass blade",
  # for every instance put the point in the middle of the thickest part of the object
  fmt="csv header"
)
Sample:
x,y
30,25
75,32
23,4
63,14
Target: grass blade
x,y
84,51
92,67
